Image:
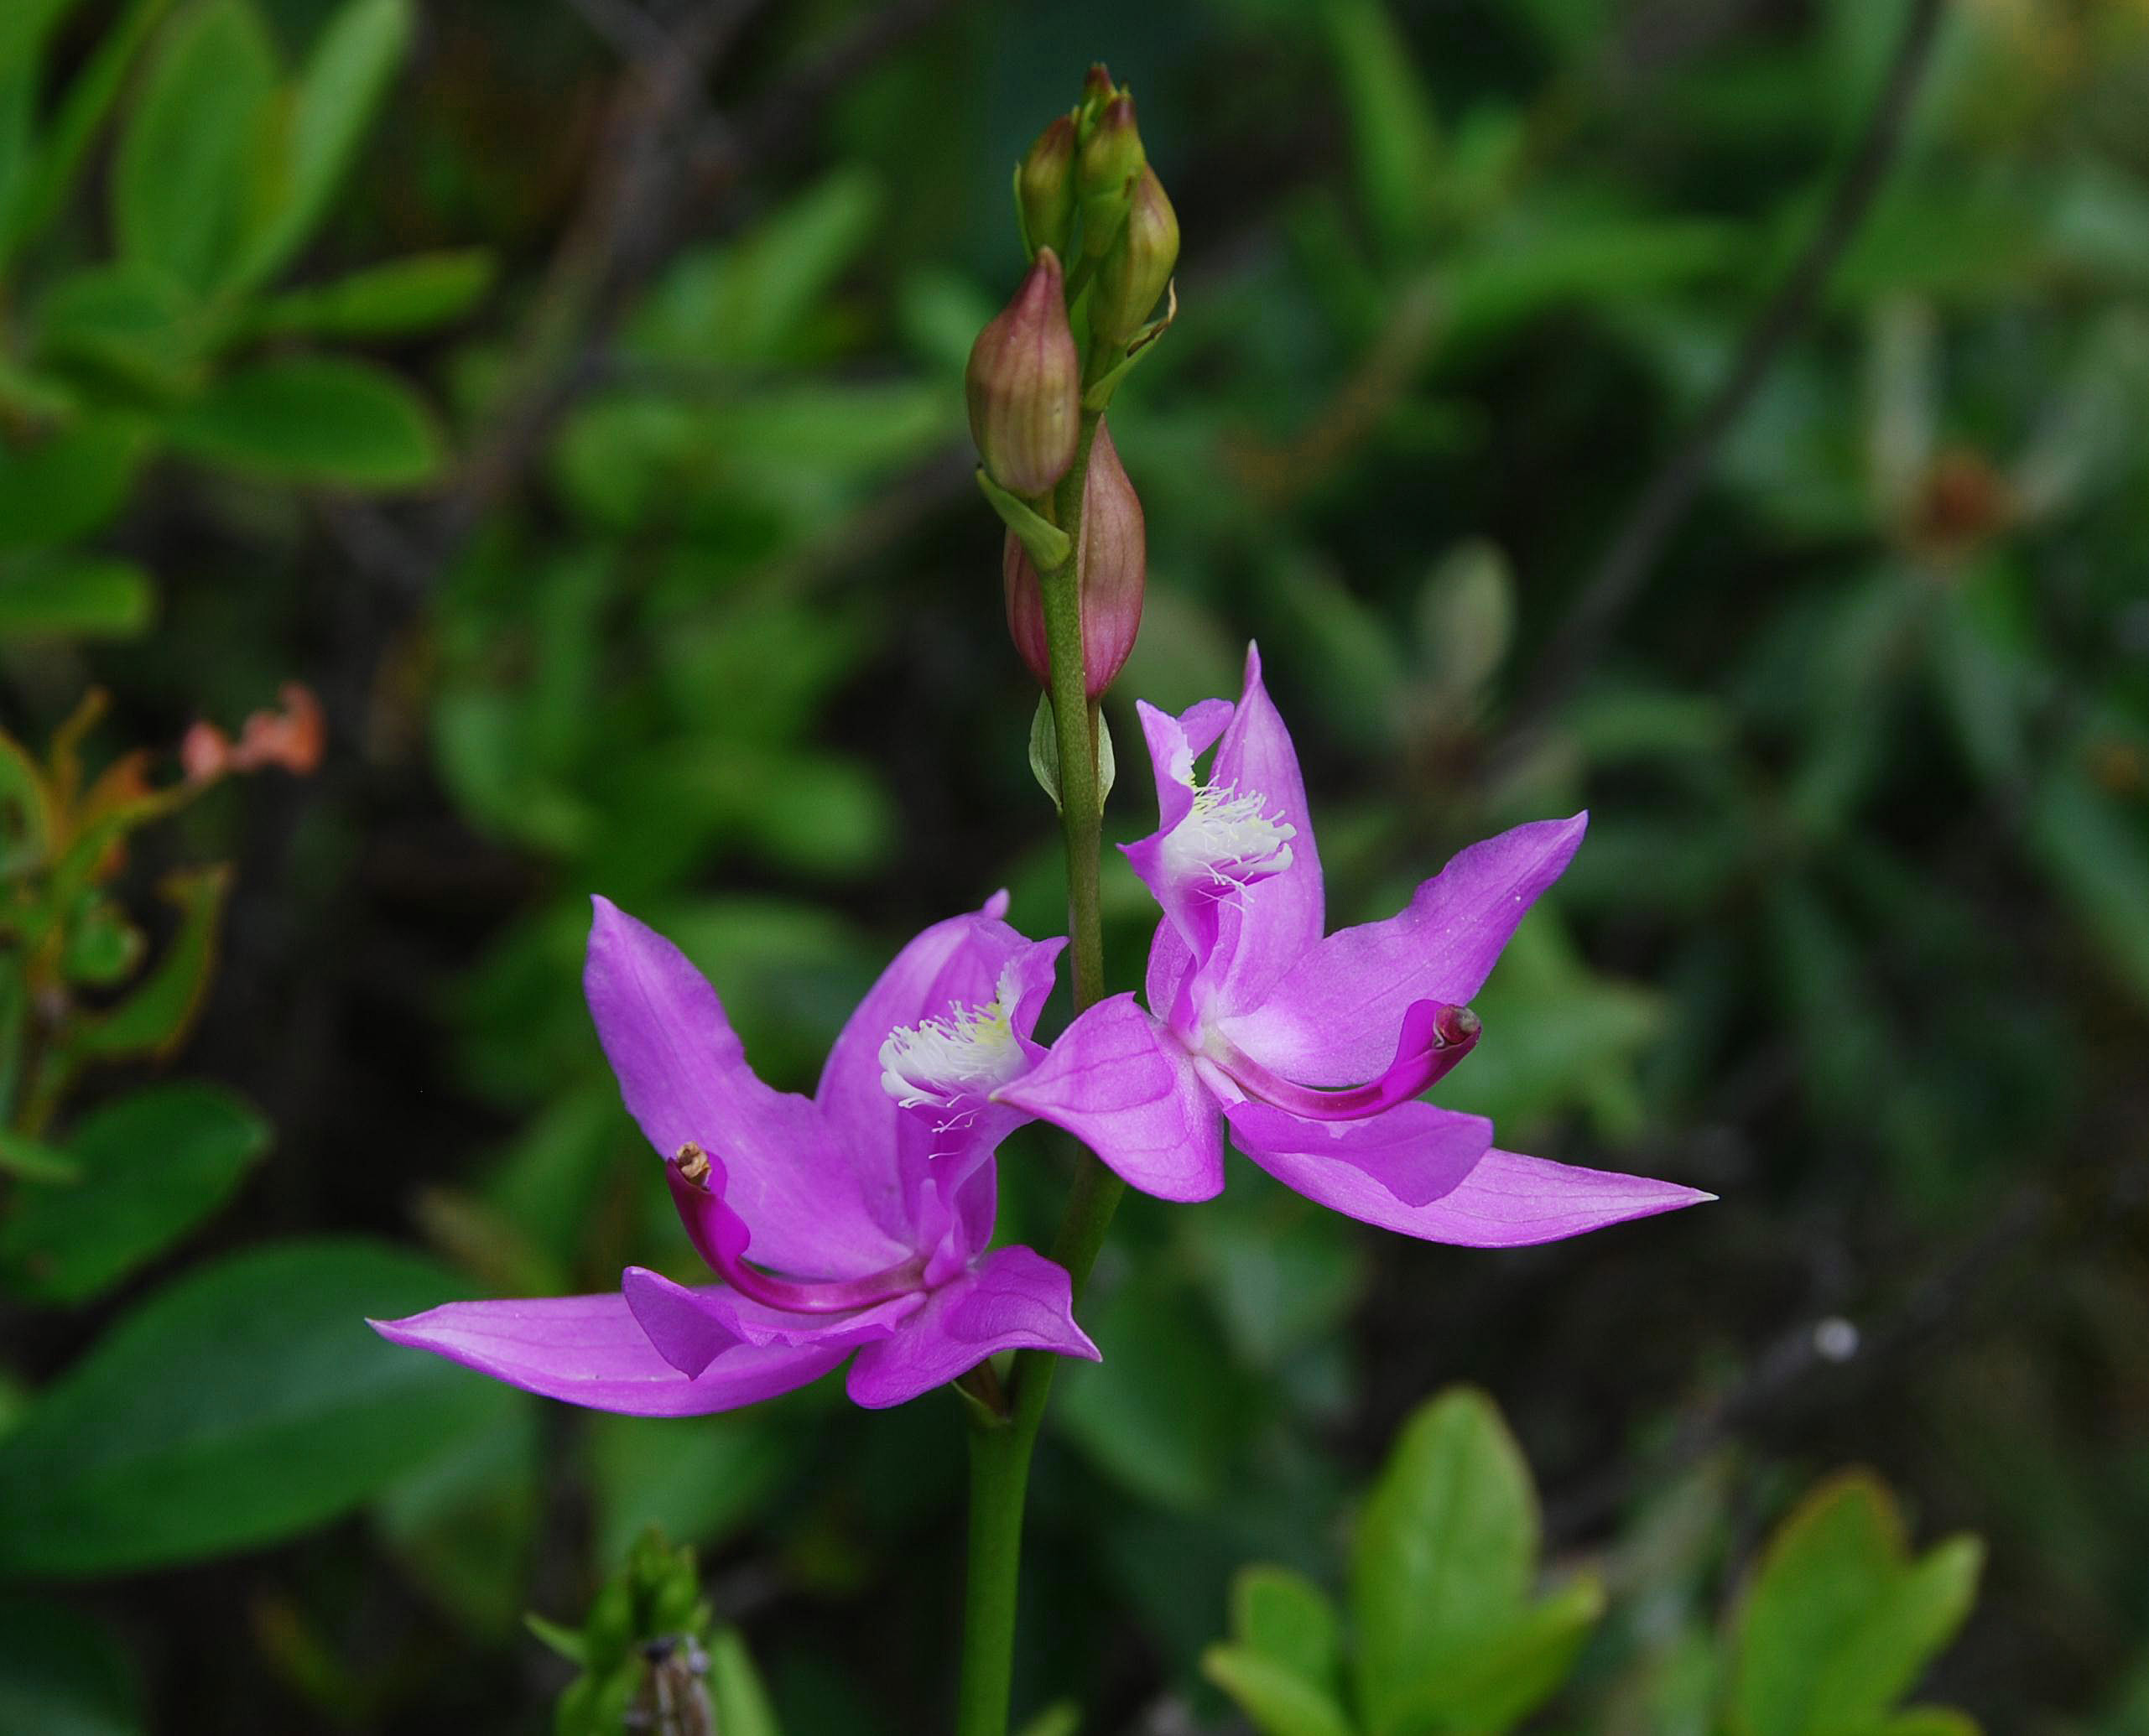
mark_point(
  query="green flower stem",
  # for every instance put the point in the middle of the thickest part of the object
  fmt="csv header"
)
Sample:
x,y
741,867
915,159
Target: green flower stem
x,y
1000,1446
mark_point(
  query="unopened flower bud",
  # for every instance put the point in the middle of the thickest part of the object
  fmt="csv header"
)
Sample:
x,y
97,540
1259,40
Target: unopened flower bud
x,y
1097,90
1112,161
1044,187
1024,386
1133,275
1112,560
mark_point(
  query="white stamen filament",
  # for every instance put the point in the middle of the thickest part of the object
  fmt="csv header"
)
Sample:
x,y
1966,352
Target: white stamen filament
x,y
1230,836
967,1053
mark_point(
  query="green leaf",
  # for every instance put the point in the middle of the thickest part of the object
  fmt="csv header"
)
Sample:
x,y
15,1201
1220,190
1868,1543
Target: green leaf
x,y
1277,1698
1044,753
1494,1686
1393,127
1284,1618
1839,1620
89,99
69,484
338,93
183,188
414,294
246,1402
313,419
735,1689
131,323
1919,1613
750,304
153,1165
34,1160
77,599
155,1014
24,24
1446,1547
63,1675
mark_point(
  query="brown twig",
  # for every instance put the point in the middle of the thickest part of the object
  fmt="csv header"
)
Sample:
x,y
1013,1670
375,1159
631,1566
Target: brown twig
x,y
1620,576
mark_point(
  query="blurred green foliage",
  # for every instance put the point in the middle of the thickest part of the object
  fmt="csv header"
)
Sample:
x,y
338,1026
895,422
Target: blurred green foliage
x,y
591,437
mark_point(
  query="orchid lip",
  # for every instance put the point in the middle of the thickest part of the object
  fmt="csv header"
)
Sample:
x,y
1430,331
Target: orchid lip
x,y
721,1237
1435,1037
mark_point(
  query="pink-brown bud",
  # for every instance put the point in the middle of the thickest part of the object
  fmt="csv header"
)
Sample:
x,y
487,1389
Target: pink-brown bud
x,y
1112,559
1133,275
1024,385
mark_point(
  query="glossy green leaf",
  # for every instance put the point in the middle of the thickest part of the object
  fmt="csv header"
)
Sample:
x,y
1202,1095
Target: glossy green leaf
x,y
1277,1698
339,91
313,419
62,1674
153,1165
247,1402
76,599
1446,1548
185,187
414,294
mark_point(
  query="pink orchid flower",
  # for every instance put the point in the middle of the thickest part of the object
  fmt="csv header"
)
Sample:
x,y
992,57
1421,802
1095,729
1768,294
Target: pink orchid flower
x,y
1312,1049
851,1223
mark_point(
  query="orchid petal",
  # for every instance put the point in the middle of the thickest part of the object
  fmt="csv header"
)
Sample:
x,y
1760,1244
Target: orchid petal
x,y
1417,1153
589,1350
1188,902
1119,1083
682,1072
1015,1300
1505,1201
953,963
1268,924
1332,1020
692,1326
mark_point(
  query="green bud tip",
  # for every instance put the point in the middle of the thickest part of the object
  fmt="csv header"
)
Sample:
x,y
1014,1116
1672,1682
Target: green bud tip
x,y
1133,274
1044,187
